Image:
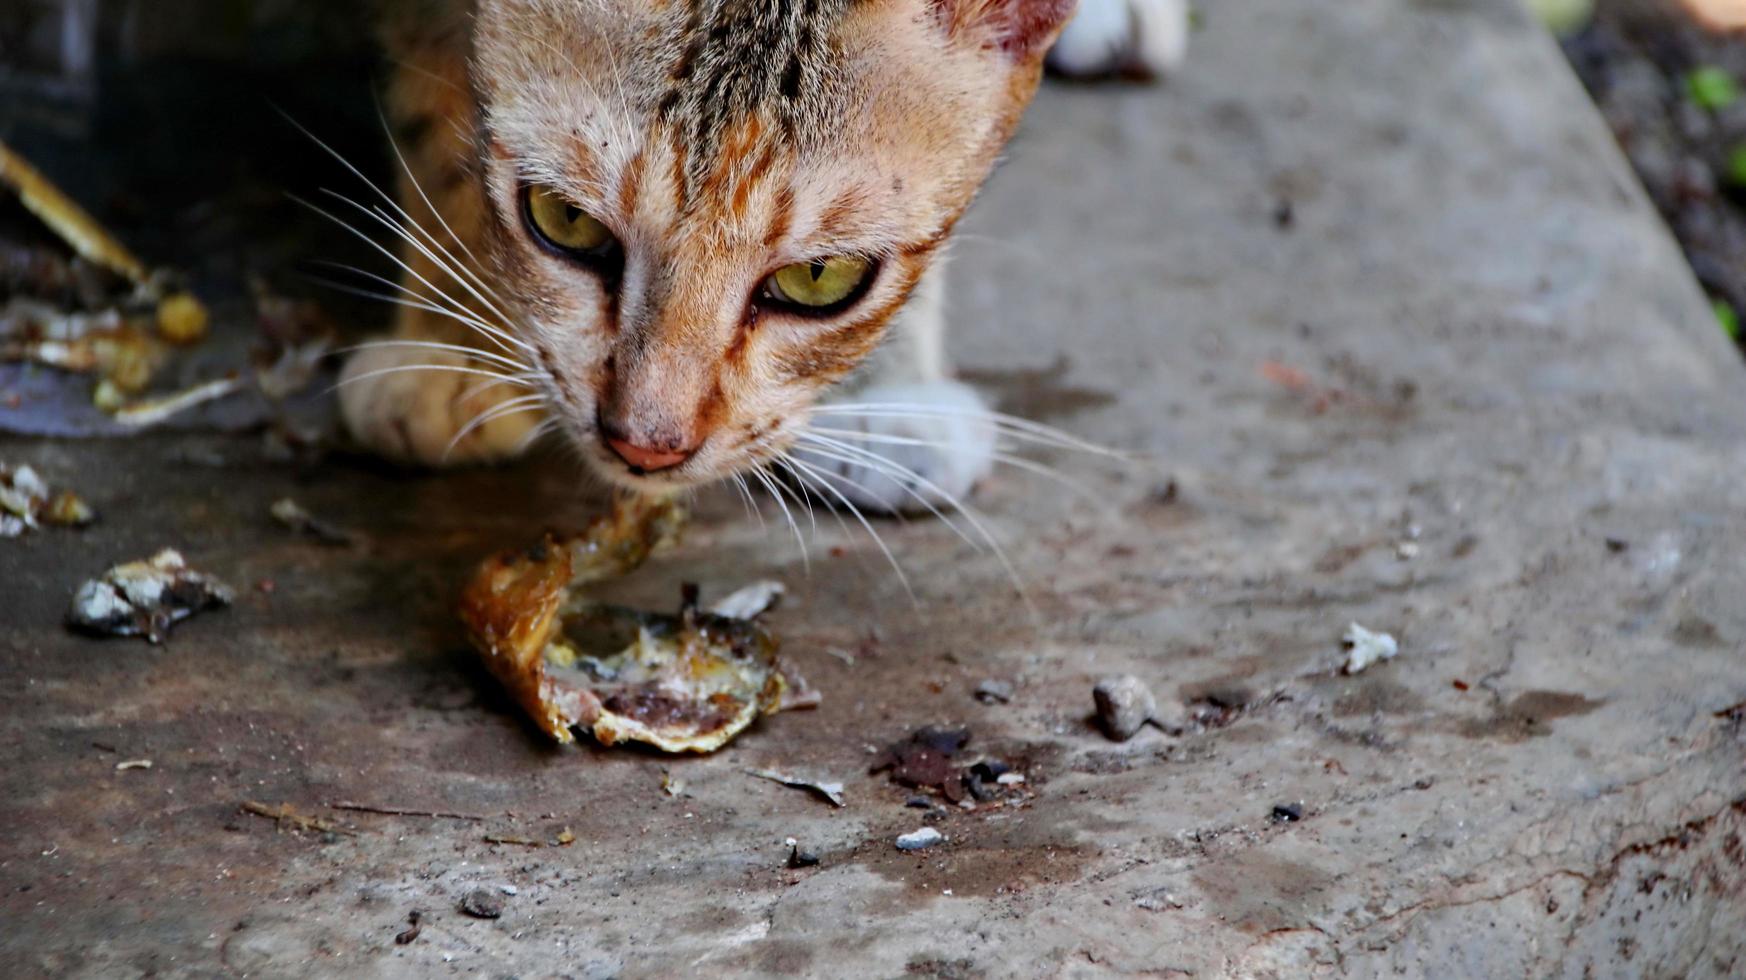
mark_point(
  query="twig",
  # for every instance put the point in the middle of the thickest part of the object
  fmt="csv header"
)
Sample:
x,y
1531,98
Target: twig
x,y
395,811
522,841
283,814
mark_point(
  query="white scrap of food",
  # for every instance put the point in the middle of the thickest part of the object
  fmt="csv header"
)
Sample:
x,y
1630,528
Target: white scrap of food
x,y
26,502
749,601
144,598
1365,647
915,840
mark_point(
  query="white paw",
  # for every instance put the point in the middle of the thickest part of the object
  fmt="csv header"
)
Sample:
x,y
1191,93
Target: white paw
x,y
1107,37
932,440
396,404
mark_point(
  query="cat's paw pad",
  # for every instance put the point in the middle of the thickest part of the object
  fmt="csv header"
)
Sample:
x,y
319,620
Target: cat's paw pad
x,y
411,404
933,440
1147,38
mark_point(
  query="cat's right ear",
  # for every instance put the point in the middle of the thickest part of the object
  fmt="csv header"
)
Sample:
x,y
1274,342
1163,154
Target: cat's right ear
x,y
1023,29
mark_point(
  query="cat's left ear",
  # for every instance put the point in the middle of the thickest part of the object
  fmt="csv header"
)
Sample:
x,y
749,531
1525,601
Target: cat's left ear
x,y
1023,29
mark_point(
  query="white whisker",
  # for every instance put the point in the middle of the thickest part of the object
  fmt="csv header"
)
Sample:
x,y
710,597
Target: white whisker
x,y
902,578
421,367
770,484
514,405
904,474
1007,424
472,352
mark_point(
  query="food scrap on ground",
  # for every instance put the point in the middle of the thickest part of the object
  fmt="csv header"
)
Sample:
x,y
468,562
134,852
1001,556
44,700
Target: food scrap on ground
x,y
1364,647
929,758
145,598
126,764
291,514
749,601
26,502
831,791
118,323
993,691
683,683
1124,705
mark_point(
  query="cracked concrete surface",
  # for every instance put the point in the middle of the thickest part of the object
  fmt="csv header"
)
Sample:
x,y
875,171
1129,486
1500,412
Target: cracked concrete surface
x,y
1472,338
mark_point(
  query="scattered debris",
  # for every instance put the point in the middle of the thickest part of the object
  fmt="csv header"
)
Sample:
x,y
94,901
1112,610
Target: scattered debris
x,y
400,811
916,840
1010,779
26,502
1157,900
749,601
830,791
133,764
1406,550
147,412
412,929
1218,708
565,838
1364,647
521,841
510,890
683,683
291,514
1617,545
1124,705
1287,813
919,803
121,322
284,814
144,598
482,903
924,757
670,785
798,858
993,691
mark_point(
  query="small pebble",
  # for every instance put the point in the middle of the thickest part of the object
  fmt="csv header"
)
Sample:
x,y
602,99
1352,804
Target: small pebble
x,y
481,903
1288,813
798,858
993,691
1124,704
919,803
915,840
508,889
1010,778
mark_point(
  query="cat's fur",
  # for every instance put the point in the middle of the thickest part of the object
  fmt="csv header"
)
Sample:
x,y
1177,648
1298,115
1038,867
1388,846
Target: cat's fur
x,y
718,140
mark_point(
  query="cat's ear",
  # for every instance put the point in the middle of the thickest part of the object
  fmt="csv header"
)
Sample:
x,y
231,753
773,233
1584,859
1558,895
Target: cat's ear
x,y
1023,29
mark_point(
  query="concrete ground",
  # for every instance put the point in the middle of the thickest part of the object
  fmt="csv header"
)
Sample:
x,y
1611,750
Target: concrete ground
x,y
1402,344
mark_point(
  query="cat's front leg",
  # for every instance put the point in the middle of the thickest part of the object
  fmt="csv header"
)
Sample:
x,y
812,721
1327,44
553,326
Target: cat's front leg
x,y
1147,38
905,435
432,405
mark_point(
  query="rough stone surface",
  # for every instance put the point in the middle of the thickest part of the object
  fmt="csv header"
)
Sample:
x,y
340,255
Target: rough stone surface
x,y
1124,705
1472,327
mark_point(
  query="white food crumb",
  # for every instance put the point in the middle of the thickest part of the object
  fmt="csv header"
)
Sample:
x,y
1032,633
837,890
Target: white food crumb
x,y
1365,647
749,601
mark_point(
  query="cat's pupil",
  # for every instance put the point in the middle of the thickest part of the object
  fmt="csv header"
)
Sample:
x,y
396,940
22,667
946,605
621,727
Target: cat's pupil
x,y
818,269
571,213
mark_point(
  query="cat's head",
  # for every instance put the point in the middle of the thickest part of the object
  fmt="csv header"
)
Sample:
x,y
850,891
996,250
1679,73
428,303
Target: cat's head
x,y
707,211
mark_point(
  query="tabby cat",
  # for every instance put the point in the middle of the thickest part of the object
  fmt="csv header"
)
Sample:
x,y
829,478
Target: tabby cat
x,y
667,228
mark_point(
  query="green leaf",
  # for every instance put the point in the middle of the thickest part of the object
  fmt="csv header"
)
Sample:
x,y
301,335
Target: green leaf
x,y
1712,88
1729,318
1734,170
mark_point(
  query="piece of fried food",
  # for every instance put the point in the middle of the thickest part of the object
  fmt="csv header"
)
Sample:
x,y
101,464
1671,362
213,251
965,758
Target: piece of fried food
x,y
684,683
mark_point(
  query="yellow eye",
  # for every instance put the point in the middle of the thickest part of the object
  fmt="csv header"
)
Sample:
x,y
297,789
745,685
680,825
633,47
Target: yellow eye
x,y
563,224
820,283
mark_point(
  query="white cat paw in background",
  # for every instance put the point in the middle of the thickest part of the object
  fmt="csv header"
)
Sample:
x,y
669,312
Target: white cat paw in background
x,y
1115,37
933,436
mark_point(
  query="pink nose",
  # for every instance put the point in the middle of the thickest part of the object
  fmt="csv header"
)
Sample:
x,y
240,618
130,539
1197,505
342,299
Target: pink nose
x,y
644,458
